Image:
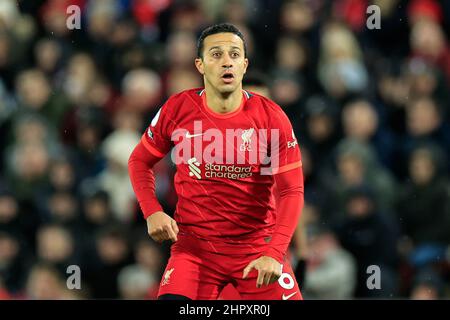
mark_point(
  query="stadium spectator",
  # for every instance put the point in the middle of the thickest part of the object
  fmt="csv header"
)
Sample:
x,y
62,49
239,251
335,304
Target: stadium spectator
x,y
35,95
46,283
319,129
424,121
355,164
112,253
15,262
16,219
331,270
424,207
341,67
371,236
428,42
117,148
296,18
55,246
135,282
427,285
360,121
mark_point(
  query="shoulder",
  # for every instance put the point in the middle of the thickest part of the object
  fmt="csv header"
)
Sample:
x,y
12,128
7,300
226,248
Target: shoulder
x,y
270,109
263,102
185,95
177,105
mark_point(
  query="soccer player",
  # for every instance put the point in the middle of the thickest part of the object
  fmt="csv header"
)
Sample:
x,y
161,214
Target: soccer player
x,y
230,147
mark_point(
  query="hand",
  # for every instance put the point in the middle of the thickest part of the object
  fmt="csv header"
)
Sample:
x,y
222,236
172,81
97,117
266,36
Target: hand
x,y
269,270
162,227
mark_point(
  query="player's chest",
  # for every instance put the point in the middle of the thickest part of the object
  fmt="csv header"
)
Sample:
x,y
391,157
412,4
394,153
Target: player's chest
x,y
241,140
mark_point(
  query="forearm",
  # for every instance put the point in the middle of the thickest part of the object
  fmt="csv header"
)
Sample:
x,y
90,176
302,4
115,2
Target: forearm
x,y
142,179
290,187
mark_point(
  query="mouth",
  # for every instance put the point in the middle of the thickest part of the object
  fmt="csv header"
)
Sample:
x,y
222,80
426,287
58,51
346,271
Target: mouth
x,y
227,77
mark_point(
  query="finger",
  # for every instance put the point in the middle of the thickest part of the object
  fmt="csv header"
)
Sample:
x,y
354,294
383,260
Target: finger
x,y
156,238
160,236
276,274
175,226
271,280
248,268
156,235
165,234
170,233
260,280
275,278
267,278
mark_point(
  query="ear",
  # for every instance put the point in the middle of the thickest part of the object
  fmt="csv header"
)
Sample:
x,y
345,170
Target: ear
x,y
199,65
245,65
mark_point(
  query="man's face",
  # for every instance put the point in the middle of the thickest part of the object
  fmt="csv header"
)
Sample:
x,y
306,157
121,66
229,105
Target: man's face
x,y
224,64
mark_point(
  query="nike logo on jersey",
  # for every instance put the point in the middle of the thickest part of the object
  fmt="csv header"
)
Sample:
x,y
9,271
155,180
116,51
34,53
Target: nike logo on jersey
x,y
188,135
288,296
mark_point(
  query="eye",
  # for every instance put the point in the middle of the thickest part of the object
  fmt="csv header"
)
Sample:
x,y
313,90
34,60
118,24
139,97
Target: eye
x,y
235,54
216,54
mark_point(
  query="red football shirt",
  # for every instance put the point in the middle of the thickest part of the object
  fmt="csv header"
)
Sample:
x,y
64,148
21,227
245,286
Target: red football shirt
x,y
225,165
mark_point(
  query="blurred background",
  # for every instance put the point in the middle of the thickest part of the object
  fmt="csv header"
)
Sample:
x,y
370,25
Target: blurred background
x,y
370,109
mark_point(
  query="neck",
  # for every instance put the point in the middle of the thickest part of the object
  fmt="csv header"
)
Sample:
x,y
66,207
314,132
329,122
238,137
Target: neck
x,y
223,103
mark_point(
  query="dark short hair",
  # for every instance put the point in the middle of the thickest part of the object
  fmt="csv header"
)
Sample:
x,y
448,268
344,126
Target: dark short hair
x,y
218,28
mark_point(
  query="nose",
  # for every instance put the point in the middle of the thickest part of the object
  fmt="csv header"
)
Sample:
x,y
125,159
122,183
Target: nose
x,y
227,62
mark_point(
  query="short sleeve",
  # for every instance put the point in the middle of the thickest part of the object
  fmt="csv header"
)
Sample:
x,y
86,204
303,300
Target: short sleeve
x,y
284,149
157,137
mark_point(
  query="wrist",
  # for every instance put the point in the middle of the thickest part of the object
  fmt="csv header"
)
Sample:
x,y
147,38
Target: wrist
x,y
275,254
149,208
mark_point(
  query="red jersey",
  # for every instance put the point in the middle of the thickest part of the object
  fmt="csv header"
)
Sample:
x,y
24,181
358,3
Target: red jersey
x,y
225,165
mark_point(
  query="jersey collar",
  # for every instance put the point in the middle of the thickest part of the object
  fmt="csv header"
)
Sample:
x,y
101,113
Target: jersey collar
x,y
245,97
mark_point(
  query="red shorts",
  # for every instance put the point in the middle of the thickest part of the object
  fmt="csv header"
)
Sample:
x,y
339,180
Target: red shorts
x,y
202,275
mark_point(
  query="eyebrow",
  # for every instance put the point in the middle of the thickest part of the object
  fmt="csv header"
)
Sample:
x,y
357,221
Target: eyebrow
x,y
218,47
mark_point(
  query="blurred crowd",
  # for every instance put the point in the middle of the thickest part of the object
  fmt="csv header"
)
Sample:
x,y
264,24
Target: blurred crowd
x,y
370,109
